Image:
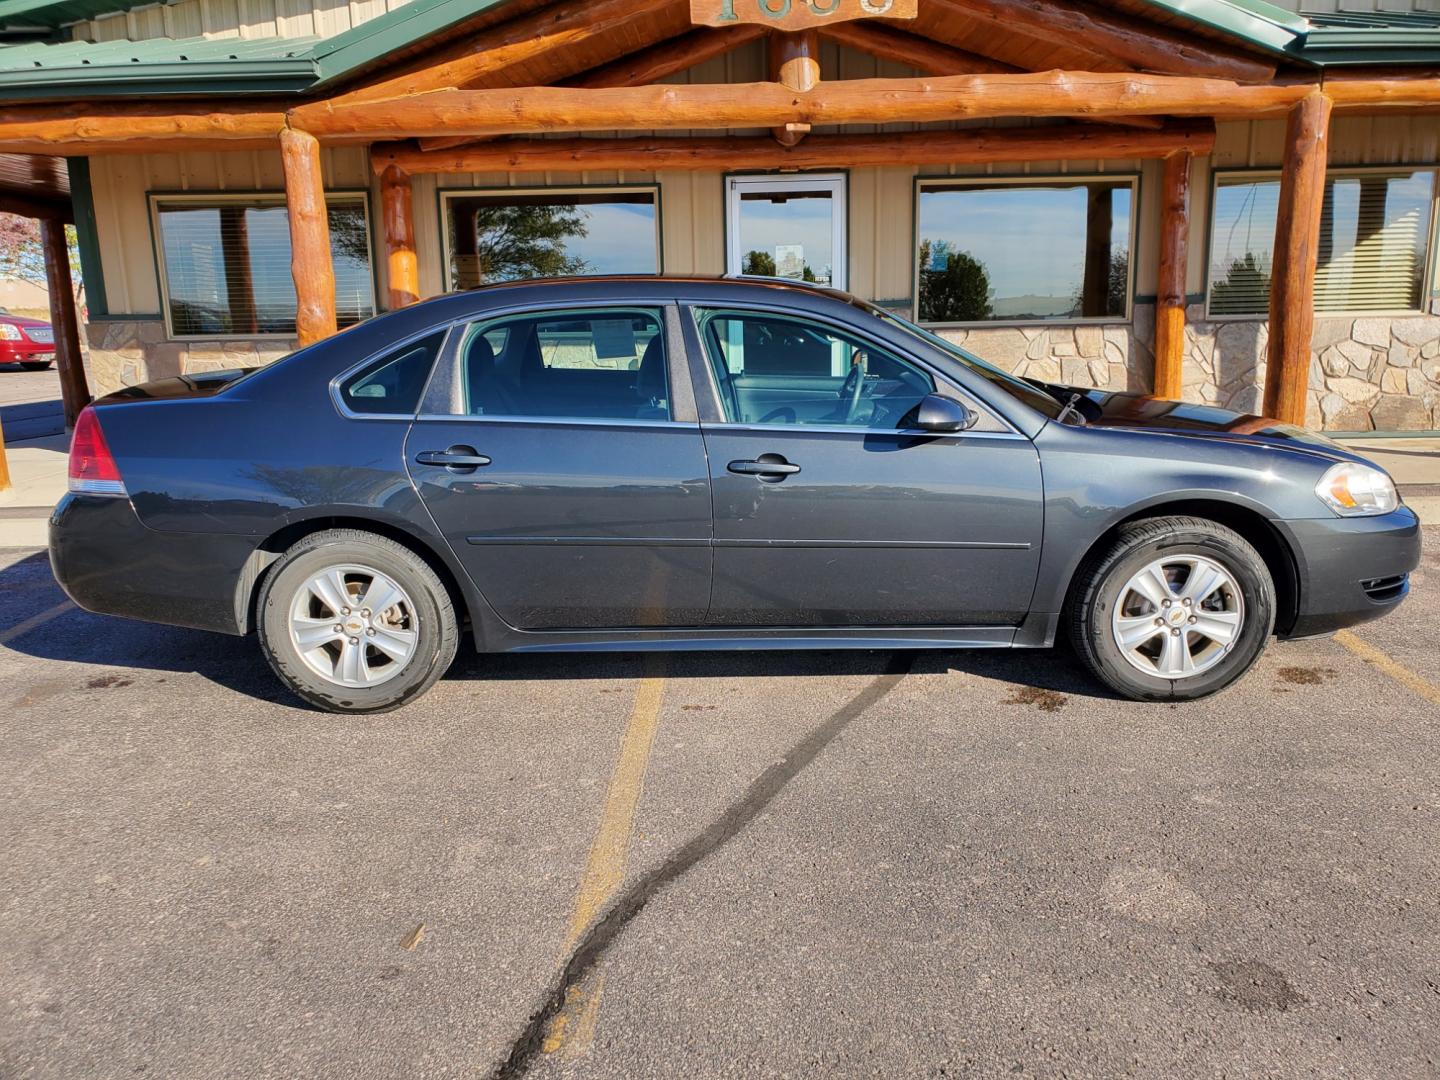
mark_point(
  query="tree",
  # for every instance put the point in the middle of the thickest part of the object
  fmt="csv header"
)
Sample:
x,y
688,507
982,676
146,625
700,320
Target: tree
x,y
758,263
959,291
22,256
1117,284
518,241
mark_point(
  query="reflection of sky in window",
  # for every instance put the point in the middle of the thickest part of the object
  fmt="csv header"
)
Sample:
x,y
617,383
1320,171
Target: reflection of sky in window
x,y
803,219
191,237
1031,240
619,238
1243,222
1243,219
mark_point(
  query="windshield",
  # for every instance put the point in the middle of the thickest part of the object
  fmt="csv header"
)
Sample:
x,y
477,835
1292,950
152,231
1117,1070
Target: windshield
x,y
1019,389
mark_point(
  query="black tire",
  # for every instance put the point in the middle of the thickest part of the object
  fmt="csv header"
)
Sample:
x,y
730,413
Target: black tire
x,y
1099,582
437,629
35,365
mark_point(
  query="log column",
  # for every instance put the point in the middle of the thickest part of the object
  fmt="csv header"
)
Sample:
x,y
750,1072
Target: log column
x,y
1297,247
74,390
1170,288
397,212
795,65
310,261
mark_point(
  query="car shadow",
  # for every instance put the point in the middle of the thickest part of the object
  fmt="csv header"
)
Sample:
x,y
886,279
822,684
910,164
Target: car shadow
x,y
28,590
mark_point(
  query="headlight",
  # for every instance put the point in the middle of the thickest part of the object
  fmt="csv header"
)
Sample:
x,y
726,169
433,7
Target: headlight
x,y
1355,490
9,332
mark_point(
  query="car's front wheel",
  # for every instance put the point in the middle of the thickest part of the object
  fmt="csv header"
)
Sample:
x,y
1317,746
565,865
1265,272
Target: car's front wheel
x,y
1175,609
353,622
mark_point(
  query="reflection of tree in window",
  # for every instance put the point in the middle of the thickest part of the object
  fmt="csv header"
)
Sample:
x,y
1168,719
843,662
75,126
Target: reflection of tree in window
x,y
1246,287
958,290
506,241
1115,283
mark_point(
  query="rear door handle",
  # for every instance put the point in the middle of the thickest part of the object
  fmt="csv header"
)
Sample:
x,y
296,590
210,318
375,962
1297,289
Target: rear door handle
x,y
456,458
771,467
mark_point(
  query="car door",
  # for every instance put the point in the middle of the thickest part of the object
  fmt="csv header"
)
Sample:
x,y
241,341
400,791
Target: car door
x,y
563,473
829,511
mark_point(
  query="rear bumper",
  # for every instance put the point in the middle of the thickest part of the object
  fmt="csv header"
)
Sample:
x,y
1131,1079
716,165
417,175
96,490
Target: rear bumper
x,y
1350,570
109,562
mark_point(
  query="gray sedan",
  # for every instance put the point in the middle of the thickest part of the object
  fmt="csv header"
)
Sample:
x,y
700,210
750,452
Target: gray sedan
x,y
662,463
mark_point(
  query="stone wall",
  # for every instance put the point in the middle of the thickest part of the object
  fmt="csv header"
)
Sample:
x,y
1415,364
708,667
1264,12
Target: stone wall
x,y
1370,373
124,352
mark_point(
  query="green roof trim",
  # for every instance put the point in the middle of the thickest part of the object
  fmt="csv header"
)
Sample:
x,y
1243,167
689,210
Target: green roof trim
x,y
1256,22
158,66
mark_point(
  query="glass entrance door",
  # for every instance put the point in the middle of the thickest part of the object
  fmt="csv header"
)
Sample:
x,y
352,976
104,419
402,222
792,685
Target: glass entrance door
x,y
788,227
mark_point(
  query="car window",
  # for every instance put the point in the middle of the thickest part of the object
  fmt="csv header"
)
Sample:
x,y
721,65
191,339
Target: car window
x,y
393,383
606,364
775,369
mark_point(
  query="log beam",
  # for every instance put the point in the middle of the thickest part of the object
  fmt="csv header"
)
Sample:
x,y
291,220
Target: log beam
x,y
1084,95
74,390
1400,89
1068,142
794,64
932,57
1297,247
1170,287
137,127
397,214
310,260
597,31
648,66
1133,43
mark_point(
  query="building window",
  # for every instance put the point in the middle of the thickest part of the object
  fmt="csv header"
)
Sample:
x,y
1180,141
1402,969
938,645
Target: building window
x,y
1024,250
225,263
508,235
1374,242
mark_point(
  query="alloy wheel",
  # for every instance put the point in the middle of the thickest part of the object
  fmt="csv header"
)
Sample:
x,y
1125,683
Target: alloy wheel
x,y
353,625
1178,616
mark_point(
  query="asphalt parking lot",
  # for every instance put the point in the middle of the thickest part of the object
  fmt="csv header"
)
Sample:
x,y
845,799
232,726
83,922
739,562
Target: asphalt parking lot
x,y
845,864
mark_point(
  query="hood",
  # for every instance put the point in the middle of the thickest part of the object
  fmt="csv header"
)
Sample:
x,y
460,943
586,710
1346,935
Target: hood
x,y
1142,412
23,320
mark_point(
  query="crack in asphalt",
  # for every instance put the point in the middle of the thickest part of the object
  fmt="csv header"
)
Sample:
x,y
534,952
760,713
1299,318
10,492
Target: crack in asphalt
x,y
760,794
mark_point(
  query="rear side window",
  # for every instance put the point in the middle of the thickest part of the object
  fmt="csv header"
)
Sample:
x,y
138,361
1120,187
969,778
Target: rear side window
x,y
604,364
393,384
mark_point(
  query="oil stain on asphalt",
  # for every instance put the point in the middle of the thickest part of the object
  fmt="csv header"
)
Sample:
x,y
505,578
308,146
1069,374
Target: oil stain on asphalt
x,y
1256,986
1042,699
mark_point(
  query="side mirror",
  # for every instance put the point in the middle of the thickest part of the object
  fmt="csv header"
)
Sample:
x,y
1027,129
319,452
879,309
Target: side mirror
x,y
939,413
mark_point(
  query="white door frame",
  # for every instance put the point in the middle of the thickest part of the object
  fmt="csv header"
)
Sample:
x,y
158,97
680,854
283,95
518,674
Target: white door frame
x,y
835,183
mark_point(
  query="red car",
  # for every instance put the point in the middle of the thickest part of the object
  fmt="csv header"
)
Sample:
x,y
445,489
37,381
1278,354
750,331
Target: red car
x,y
27,342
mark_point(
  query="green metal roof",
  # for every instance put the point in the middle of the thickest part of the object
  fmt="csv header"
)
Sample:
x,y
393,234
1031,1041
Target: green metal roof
x,y
159,65
217,65
197,66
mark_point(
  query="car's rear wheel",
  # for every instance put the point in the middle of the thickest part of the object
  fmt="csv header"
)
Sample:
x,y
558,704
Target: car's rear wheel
x,y
35,365
1175,609
353,622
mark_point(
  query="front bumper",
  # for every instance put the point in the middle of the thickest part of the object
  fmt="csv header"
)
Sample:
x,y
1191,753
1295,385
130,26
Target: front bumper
x,y
1350,570
15,352
108,561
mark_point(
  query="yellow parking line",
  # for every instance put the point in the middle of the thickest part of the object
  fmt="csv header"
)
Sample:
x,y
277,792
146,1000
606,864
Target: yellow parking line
x,y
1388,666
605,868
22,628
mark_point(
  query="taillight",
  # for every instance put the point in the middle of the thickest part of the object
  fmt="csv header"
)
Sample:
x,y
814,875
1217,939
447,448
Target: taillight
x,y
92,466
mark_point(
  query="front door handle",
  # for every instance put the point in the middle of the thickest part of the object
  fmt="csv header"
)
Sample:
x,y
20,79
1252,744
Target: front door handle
x,y
769,467
456,458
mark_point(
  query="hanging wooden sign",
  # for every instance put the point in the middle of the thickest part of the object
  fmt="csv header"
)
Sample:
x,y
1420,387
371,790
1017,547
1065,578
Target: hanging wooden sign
x,y
796,14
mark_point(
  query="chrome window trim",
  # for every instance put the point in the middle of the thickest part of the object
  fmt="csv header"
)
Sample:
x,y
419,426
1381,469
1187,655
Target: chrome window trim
x,y
554,421
840,429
